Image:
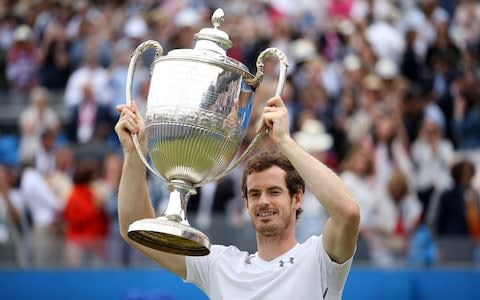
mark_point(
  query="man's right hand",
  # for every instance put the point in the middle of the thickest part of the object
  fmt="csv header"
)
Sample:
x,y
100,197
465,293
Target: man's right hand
x,y
129,122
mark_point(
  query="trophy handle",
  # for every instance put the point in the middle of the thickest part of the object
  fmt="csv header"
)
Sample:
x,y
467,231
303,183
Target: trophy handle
x,y
131,68
254,83
267,53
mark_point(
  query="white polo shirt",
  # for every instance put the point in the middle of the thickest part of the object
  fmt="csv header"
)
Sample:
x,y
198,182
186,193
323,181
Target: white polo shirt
x,y
304,272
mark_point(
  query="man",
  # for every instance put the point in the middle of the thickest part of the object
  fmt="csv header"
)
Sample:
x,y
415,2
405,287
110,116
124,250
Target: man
x,y
273,191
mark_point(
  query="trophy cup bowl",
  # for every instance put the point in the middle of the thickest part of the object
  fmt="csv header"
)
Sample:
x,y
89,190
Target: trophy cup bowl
x,y
198,110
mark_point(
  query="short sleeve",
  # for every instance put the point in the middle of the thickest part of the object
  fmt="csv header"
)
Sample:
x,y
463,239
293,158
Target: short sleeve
x,y
199,267
334,273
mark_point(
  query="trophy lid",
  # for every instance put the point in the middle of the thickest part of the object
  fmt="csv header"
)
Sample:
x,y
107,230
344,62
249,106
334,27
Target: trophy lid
x,y
210,47
214,38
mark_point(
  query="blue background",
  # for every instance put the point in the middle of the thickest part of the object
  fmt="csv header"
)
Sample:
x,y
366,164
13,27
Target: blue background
x,y
156,284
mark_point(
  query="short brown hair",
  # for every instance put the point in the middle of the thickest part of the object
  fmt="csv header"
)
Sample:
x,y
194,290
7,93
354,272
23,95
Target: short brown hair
x,y
397,185
267,159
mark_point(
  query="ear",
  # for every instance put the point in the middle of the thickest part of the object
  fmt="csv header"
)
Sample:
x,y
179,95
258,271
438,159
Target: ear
x,y
298,200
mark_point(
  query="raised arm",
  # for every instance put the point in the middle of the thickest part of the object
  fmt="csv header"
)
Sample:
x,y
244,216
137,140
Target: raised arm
x,y
341,229
133,199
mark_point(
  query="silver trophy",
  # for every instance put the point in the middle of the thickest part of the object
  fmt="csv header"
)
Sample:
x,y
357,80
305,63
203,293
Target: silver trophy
x,y
197,114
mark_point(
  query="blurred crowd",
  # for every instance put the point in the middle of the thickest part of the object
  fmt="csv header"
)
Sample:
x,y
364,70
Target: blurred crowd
x,y
384,92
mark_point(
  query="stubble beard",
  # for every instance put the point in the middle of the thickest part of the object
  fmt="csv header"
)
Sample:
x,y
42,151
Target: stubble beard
x,y
271,230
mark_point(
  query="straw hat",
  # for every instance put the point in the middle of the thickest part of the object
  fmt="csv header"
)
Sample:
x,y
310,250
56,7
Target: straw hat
x,y
351,63
23,33
386,68
302,50
372,83
313,137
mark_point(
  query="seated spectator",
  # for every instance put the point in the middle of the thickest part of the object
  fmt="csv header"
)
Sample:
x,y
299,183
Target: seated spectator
x,y
44,207
36,118
60,179
466,123
11,246
45,155
395,219
87,116
54,68
21,65
432,155
465,27
390,151
358,175
91,74
458,211
85,219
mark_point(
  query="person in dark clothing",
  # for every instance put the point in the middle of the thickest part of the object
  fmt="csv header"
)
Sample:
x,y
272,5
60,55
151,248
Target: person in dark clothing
x,y
451,217
87,116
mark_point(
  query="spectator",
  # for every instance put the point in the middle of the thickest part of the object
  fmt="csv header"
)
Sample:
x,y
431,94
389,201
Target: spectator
x,y
60,179
465,27
386,40
11,246
423,19
92,36
443,59
54,68
44,207
45,156
411,63
87,116
22,63
35,119
370,98
353,72
390,152
85,219
358,174
432,156
89,74
393,85
451,217
7,28
466,123
396,218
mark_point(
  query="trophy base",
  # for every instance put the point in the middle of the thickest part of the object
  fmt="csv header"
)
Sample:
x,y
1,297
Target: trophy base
x,y
169,236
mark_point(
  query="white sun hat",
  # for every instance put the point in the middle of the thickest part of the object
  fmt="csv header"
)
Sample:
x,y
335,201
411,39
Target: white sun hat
x,y
313,137
386,68
22,33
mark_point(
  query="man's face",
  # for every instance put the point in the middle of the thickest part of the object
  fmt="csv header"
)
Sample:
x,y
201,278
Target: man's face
x,y
269,204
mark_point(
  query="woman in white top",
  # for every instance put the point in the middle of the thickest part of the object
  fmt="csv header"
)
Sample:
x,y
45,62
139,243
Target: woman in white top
x,y
35,119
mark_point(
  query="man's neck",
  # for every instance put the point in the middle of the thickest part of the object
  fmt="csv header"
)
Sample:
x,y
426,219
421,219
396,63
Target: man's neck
x,y
271,247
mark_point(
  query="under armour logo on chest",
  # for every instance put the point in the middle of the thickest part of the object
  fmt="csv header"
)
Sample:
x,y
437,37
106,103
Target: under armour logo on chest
x,y
282,262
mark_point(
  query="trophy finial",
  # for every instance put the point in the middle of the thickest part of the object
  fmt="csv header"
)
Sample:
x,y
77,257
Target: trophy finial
x,y
218,18
220,39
